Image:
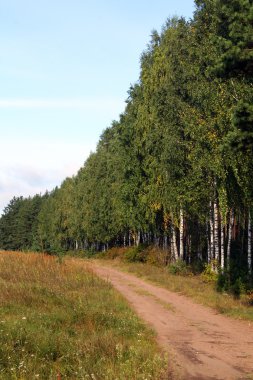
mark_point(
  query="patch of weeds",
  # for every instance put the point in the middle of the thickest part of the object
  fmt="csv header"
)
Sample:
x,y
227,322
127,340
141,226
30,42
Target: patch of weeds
x,y
136,254
178,268
209,274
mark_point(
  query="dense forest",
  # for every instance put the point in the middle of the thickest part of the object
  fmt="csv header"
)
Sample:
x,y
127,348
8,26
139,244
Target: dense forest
x,y
176,169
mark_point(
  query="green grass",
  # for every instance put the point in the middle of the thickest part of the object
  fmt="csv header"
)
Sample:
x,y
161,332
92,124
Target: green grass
x,y
59,321
192,286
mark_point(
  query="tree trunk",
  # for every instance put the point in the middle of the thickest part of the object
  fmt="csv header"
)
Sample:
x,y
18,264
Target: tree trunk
x,y
181,234
165,242
173,256
222,253
209,257
216,232
230,226
138,240
189,251
249,244
211,232
174,242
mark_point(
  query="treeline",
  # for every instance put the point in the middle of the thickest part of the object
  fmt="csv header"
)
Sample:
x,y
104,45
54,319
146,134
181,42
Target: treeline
x,y
176,169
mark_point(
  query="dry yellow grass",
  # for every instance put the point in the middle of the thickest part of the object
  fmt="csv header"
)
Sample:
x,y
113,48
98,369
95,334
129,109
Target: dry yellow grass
x,y
58,319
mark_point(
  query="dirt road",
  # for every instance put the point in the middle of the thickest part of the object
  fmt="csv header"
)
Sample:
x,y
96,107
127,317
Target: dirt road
x,y
202,343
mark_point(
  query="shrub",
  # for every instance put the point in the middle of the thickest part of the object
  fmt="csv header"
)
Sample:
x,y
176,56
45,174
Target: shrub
x,y
115,253
237,288
178,268
209,275
136,254
157,256
223,282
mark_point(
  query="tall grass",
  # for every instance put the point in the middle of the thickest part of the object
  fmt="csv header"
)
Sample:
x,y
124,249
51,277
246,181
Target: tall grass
x,y
59,321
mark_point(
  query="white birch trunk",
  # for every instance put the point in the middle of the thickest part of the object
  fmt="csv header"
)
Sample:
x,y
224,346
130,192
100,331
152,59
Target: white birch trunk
x,y
230,226
174,243
208,244
216,232
222,253
249,244
181,234
173,257
211,232
138,240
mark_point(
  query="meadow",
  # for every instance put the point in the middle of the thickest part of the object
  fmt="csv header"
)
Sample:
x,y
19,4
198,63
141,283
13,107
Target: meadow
x,y
59,321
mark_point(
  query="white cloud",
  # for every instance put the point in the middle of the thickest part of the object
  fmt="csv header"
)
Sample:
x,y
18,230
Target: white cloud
x,y
29,167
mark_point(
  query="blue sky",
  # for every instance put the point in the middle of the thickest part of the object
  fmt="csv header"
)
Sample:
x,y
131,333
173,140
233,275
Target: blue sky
x,y
65,68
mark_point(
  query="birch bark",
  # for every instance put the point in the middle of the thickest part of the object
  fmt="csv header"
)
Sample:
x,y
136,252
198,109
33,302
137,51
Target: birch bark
x,y
209,257
230,226
222,253
211,232
216,231
138,238
181,234
174,242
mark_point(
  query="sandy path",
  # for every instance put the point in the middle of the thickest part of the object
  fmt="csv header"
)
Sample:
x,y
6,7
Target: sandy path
x,y
203,344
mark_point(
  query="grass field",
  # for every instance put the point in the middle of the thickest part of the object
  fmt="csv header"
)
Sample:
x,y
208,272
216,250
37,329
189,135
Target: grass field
x,y
59,321
194,286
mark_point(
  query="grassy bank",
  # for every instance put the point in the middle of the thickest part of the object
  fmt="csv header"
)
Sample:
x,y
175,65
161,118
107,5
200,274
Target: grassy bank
x,y
59,321
197,286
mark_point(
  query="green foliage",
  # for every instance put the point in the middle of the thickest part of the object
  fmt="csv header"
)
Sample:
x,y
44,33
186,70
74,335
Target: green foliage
x,y
234,281
136,254
197,266
209,274
178,268
223,282
238,288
